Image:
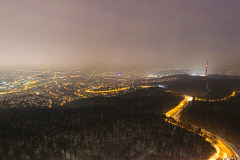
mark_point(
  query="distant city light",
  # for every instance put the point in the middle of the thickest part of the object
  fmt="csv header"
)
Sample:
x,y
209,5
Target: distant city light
x,y
161,86
190,99
152,76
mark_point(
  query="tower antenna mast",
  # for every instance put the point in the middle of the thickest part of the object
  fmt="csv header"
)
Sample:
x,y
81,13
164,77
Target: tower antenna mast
x,y
206,78
206,69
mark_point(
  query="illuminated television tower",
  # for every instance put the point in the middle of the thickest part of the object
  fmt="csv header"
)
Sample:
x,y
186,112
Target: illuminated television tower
x,y
206,69
207,86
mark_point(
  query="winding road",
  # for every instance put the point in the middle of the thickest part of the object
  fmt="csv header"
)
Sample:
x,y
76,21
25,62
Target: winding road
x,y
224,149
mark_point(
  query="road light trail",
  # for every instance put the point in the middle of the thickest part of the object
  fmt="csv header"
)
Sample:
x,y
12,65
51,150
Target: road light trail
x,y
108,91
174,113
223,148
214,100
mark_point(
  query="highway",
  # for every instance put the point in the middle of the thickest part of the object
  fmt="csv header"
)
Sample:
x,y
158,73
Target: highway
x,y
108,91
223,148
236,151
175,112
214,100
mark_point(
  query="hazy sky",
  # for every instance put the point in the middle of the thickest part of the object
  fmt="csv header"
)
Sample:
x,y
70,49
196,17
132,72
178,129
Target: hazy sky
x,y
174,33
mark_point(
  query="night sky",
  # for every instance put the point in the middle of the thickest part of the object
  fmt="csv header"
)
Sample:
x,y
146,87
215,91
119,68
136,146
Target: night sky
x,y
163,33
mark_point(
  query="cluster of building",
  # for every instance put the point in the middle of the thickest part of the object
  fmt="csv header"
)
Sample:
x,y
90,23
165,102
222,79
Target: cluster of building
x,y
48,88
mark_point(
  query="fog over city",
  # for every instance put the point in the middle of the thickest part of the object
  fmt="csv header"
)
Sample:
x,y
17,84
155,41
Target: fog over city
x,y
83,33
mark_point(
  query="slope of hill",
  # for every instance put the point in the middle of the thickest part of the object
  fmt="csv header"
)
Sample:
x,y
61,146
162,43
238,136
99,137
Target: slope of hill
x,y
218,86
219,117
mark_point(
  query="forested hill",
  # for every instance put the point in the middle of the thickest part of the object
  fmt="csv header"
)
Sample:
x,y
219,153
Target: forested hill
x,y
124,127
144,100
213,86
219,117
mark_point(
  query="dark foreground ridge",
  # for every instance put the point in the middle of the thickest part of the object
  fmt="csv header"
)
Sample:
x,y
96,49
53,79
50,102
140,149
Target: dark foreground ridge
x,y
123,127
